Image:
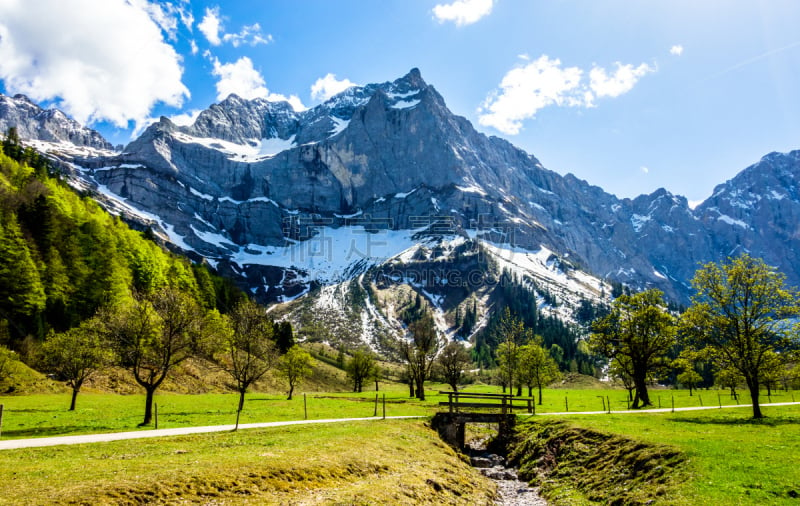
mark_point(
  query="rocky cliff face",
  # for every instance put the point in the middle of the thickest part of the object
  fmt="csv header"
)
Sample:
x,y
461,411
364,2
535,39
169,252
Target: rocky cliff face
x,y
49,125
285,198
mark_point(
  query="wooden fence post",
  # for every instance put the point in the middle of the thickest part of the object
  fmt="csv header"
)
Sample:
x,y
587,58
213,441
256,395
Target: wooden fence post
x,y
305,407
566,403
1,419
375,411
384,406
673,403
719,399
608,403
701,400
156,406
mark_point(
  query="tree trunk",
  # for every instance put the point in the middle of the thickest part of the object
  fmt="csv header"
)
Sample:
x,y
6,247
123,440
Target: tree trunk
x,y
530,391
752,384
75,391
241,399
540,395
376,384
291,390
148,405
640,383
420,389
519,390
411,388
690,389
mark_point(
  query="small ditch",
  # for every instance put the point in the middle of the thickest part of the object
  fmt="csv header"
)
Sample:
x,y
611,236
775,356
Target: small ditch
x,y
511,491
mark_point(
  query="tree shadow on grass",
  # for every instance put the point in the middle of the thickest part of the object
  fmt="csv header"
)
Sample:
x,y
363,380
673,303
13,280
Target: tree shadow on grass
x,y
766,421
61,430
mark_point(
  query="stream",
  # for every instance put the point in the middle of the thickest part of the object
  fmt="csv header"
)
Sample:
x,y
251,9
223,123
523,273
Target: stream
x,y
511,491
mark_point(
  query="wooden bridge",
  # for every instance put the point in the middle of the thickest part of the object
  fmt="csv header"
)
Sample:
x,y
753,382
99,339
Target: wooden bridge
x,y
451,424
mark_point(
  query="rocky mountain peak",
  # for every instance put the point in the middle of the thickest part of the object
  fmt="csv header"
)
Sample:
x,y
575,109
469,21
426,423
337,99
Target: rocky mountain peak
x,y
48,125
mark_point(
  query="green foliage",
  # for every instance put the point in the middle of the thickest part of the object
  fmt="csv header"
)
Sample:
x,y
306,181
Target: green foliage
x,y
284,336
7,358
536,367
638,332
739,316
521,300
294,366
452,361
76,354
62,257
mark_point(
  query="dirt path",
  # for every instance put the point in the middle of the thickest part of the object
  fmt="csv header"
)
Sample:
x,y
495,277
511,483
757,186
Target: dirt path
x,y
12,444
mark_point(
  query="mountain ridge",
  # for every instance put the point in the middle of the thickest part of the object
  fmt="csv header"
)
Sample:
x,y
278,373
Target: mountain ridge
x,y
258,176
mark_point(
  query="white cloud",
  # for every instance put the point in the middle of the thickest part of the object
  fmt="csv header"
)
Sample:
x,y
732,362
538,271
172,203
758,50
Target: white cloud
x,y
186,118
543,82
463,12
194,47
645,170
620,82
239,78
250,34
526,89
676,50
211,25
97,60
328,86
242,79
212,28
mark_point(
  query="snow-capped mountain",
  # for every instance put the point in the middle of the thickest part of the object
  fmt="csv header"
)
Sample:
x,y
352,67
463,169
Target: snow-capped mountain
x,y
285,198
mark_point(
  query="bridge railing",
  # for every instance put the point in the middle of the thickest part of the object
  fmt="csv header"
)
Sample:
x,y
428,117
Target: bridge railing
x,y
469,400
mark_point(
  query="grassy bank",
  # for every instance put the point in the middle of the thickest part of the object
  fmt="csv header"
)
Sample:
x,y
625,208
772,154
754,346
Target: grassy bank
x,y
714,457
376,462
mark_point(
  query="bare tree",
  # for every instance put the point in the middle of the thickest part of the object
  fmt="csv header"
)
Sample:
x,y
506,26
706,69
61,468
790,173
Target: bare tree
x,y
420,350
360,368
152,334
249,349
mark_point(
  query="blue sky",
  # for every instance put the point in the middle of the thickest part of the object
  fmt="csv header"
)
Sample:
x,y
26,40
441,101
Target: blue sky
x,y
629,95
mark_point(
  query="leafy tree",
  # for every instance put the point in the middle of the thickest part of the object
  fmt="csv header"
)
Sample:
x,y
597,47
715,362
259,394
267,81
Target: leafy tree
x,y
294,366
420,350
536,367
359,368
249,348
284,336
730,378
151,335
452,361
640,331
686,366
740,316
75,355
21,290
513,334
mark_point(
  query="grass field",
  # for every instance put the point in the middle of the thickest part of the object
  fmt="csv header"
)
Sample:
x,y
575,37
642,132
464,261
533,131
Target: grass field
x,y
732,459
42,415
375,462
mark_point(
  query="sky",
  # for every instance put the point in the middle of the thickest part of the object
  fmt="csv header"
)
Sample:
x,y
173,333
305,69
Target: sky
x,y
629,95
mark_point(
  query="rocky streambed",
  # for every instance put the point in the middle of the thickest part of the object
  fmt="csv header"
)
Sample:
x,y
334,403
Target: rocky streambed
x,y
511,490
